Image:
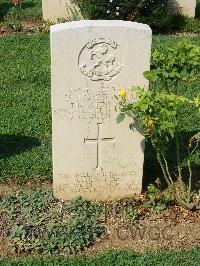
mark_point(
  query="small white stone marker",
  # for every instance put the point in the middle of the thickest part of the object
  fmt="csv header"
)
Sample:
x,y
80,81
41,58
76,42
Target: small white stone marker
x,y
56,9
187,7
93,156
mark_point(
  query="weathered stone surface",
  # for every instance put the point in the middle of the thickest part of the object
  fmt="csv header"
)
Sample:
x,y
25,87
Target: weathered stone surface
x,y
56,9
93,156
187,7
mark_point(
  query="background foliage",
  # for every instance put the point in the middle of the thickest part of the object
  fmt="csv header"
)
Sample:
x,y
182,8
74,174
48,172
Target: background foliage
x,y
29,8
159,14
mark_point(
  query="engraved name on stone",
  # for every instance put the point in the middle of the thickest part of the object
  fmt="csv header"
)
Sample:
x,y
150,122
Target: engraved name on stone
x,y
85,103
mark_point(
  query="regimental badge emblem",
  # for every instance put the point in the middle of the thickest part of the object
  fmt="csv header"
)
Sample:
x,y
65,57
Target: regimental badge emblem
x,y
101,59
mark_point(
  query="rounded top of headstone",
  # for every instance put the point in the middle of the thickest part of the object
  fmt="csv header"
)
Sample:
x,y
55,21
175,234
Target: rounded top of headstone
x,y
100,23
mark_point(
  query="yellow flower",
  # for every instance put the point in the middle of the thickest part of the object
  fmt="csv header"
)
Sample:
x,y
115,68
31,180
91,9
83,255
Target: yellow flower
x,y
150,122
122,93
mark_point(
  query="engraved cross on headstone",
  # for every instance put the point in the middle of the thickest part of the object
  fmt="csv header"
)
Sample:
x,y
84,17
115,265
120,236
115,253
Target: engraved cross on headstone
x,y
99,140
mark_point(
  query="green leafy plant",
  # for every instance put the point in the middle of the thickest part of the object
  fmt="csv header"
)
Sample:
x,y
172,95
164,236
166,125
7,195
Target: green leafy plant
x,y
156,113
79,233
79,206
40,224
26,205
14,14
73,13
175,64
186,24
130,213
155,199
12,20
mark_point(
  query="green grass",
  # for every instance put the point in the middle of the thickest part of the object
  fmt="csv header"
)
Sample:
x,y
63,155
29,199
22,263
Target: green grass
x,y
25,117
29,8
114,258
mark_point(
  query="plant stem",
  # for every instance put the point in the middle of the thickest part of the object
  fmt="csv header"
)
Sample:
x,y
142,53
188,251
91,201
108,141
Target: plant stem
x,y
169,180
190,180
161,163
167,169
179,162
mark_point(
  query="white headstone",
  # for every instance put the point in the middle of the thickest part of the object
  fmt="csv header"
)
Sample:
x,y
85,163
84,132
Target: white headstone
x,y
56,9
93,156
187,7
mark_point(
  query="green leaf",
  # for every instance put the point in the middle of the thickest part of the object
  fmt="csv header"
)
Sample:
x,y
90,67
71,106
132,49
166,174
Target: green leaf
x,y
161,207
147,204
151,75
144,107
120,118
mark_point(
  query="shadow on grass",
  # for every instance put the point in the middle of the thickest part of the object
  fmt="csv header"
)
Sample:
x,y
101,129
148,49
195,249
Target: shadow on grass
x,y
11,145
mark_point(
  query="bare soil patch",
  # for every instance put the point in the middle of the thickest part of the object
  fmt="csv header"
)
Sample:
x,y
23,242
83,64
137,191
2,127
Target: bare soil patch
x,y
12,186
174,228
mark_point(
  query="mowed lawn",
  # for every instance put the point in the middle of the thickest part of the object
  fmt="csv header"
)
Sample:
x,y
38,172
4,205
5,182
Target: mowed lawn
x,y
25,117
114,258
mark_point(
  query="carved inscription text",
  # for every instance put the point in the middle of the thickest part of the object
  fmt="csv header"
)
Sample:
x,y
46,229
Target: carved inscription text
x,y
87,103
87,182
